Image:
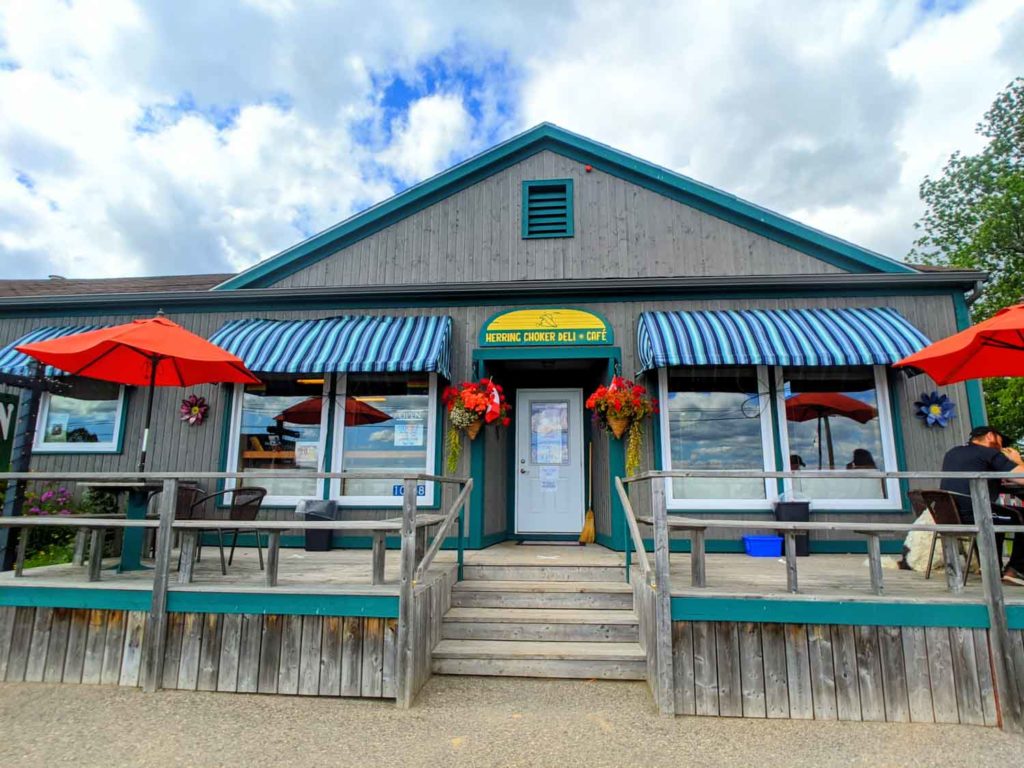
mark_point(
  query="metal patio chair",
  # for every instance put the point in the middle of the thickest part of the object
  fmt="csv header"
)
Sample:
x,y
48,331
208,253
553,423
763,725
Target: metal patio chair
x,y
245,506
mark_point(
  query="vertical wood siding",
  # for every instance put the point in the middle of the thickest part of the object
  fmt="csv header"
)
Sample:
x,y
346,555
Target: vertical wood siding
x,y
621,230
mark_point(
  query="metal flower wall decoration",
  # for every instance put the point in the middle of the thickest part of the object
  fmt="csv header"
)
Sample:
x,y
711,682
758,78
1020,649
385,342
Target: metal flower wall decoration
x,y
194,410
935,410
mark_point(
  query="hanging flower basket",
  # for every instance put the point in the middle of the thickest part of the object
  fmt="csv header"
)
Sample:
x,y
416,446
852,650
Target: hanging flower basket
x,y
471,405
621,407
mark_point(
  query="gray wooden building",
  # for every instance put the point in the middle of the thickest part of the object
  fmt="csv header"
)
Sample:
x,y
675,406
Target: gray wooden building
x,y
548,263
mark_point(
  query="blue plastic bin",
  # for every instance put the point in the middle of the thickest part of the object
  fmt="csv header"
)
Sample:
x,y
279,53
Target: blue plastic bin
x,y
763,546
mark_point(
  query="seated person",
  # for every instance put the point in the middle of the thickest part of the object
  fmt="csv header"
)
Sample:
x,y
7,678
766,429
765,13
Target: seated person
x,y
796,462
984,452
862,459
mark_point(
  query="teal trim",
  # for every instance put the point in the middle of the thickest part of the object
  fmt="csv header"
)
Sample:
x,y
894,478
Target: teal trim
x,y
477,470
69,597
296,299
557,225
814,611
1015,616
382,606
817,547
550,137
179,601
616,467
546,353
332,395
225,430
781,462
491,539
975,395
606,541
898,438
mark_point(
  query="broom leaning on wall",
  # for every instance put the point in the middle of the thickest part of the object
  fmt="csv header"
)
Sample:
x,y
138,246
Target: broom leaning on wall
x,y
589,534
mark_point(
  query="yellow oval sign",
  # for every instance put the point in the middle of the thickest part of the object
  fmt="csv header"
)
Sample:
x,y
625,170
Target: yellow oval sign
x,y
555,327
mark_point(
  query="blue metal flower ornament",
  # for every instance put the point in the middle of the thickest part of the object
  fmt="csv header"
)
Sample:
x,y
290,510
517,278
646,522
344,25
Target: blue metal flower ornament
x,y
935,409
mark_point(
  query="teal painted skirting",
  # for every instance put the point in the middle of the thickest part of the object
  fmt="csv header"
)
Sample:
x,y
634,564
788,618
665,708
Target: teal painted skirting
x,y
382,606
783,611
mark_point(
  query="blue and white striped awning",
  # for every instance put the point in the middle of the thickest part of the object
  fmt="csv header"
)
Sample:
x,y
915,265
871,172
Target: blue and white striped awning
x,y
813,337
17,363
353,344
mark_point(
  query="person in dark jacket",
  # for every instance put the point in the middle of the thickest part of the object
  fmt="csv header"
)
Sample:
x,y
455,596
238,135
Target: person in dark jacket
x,y
985,452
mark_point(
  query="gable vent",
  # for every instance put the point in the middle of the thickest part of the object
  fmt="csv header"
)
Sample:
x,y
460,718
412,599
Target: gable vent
x,y
547,208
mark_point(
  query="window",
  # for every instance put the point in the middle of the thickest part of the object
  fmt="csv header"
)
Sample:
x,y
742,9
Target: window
x,y
547,208
716,418
85,418
387,424
279,425
838,418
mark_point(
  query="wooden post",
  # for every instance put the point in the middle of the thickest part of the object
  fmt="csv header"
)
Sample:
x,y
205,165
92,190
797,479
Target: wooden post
x,y
698,568
95,553
273,557
875,562
155,637
187,555
1006,675
405,667
951,556
378,560
663,601
463,514
78,558
19,563
791,580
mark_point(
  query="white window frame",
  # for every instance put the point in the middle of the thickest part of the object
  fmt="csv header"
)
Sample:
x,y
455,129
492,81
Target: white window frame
x,y
338,452
115,445
893,498
237,403
767,451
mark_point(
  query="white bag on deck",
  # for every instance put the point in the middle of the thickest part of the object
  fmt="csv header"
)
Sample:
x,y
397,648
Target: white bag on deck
x,y
918,543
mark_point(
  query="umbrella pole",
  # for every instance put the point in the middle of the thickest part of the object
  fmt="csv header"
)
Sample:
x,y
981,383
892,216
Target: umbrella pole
x,y
828,439
155,361
819,443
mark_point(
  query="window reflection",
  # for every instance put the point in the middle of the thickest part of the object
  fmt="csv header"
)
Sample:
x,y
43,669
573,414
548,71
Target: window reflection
x,y
832,423
280,430
714,422
86,412
386,428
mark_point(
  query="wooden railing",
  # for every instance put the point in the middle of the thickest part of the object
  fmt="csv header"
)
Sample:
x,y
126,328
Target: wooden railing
x,y
1007,668
632,540
414,560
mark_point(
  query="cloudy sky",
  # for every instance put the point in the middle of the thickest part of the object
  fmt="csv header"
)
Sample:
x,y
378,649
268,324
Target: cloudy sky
x,y
150,137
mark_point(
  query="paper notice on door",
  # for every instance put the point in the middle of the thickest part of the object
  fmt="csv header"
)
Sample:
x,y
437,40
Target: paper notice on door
x,y
549,479
408,434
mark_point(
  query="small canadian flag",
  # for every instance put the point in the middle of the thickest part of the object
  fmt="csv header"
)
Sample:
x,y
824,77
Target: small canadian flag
x,y
493,403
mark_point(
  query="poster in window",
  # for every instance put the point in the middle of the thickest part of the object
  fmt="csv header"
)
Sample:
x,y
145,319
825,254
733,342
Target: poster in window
x,y
306,454
57,427
409,434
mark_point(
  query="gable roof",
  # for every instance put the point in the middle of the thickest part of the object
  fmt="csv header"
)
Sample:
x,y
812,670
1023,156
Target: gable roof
x,y
546,136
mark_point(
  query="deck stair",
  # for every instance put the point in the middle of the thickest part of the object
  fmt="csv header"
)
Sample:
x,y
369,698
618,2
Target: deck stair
x,y
570,621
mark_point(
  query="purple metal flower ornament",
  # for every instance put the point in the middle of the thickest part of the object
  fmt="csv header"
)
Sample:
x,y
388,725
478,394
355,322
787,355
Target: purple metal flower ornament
x,y
194,410
935,409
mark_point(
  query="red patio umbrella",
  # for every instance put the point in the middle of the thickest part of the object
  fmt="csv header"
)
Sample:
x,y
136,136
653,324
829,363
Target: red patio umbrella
x,y
153,352
356,412
994,347
822,405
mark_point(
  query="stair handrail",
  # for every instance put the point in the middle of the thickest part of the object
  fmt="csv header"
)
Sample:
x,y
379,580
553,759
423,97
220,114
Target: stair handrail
x,y
634,534
455,511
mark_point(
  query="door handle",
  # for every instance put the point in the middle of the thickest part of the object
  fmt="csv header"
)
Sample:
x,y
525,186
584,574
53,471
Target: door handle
x,y
522,471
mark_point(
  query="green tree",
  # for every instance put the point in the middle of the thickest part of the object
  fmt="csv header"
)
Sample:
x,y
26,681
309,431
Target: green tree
x,y
974,219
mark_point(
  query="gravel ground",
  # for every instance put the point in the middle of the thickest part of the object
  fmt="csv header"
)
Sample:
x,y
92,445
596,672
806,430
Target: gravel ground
x,y
456,722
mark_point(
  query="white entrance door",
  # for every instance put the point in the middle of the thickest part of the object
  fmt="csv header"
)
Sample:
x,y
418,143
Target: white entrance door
x,y
549,460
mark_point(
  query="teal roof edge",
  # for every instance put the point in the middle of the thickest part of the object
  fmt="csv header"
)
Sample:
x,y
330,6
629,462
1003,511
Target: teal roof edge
x,y
684,189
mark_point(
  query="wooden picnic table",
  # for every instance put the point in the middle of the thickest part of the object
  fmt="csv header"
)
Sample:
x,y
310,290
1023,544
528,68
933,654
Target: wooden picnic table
x,y
378,529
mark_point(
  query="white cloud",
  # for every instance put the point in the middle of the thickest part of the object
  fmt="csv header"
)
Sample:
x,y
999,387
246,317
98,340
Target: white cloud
x,y
434,130
149,137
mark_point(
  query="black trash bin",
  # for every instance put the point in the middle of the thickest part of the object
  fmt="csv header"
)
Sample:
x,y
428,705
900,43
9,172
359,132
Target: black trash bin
x,y
795,512
320,541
